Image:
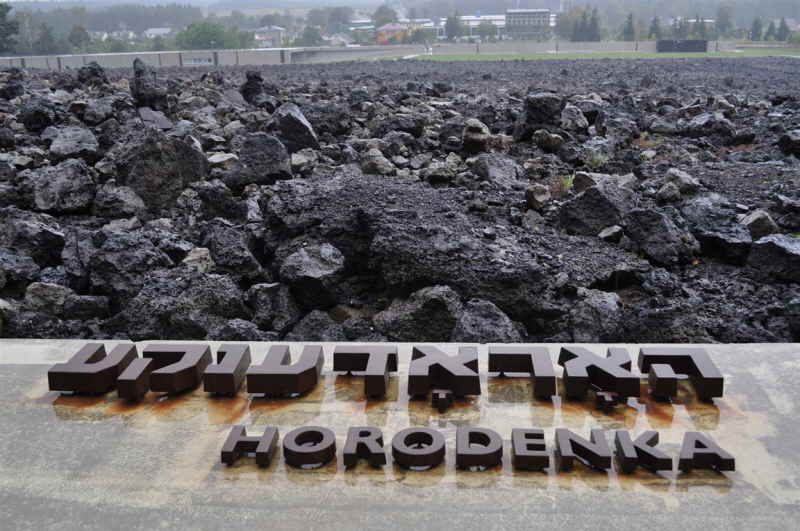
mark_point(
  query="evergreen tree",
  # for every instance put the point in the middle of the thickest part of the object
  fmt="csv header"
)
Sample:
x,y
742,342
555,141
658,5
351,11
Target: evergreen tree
x,y
783,31
45,43
771,31
8,28
78,36
629,31
594,32
487,30
310,37
581,30
655,29
724,21
756,29
452,26
700,27
158,44
384,15
203,35
682,28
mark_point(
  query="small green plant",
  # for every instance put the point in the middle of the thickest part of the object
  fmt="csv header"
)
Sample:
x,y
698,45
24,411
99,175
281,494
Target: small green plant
x,y
567,182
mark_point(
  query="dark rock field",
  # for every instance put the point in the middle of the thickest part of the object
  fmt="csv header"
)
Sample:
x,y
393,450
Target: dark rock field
x,y
550,201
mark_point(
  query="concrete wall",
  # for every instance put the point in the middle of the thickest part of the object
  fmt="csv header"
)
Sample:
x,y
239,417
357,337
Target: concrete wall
x,y
531,47
276,56
325,55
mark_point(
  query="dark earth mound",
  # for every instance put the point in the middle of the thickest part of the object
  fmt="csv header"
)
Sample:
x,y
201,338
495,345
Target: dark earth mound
x,y
604,200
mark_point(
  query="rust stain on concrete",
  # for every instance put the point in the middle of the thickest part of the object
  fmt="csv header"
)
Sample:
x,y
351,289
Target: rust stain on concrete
x,y
164,452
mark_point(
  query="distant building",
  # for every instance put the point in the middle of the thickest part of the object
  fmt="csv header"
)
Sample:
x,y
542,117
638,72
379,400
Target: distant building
x,y
123,35
471,23
101,36
391,34
152,33
338,39
528,22
363,33
269,36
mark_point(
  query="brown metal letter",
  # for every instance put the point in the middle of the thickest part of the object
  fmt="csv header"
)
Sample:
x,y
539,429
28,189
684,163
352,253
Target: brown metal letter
x,y
594,453
277,376
582,368
693,362
528,450
418,447
364,442
177,368
535,361
373,362
478,447
700,451
663,381
90,370
431,368
239,443
641,452
227,376
134,382
309,445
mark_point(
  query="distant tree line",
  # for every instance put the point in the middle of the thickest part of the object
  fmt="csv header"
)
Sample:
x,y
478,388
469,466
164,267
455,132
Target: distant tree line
x,y
585,24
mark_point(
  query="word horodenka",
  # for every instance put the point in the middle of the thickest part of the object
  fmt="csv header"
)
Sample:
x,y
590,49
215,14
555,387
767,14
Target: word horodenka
x,y
482,448
176,368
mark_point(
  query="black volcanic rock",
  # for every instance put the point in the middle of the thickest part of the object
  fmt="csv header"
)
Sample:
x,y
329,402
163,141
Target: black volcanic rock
x,y
535,201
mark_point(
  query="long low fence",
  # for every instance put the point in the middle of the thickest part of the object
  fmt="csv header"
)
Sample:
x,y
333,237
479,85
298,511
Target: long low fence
x,y
278,56
251,57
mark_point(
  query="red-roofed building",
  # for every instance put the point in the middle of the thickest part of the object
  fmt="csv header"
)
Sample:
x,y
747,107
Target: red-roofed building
x,y
391,34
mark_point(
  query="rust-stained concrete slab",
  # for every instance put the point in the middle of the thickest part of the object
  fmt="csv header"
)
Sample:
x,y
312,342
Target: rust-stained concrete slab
x,y
97,463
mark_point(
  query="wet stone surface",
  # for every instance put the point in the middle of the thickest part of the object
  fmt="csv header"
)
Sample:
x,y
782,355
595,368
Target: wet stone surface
x,y
109,465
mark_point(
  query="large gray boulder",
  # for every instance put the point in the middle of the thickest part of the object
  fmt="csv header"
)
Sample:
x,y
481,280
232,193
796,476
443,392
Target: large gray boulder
x,y
760,224
230,249
180,304
595,316
118,262
273,307
429,314
498,169
313,272
293,127
475,137
658,238
776,256
112,201
317,326
145,89
713,221
790,142
542,109
16,270
74,142
599,206
262,159
158,167
67,188
483,322
37,235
